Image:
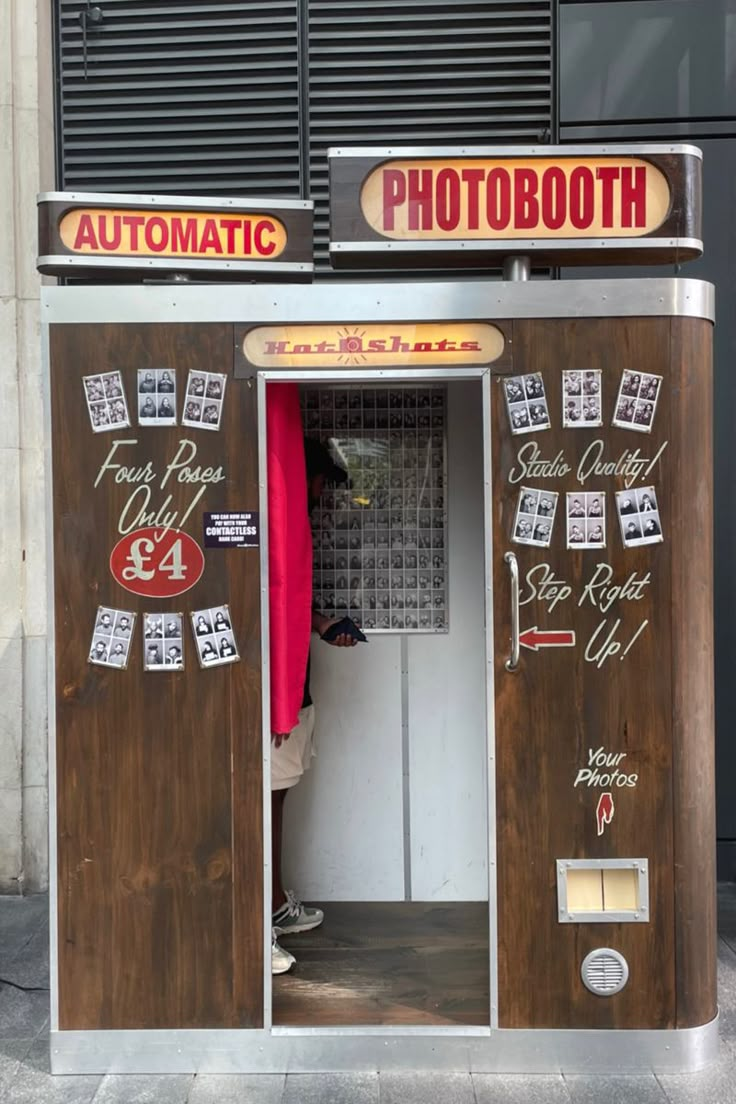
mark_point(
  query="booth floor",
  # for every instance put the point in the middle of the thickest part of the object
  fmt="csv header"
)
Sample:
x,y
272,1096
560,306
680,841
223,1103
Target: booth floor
x,y
388,963
24,1046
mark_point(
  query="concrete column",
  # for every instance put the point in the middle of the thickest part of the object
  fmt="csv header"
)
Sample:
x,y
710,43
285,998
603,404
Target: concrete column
x,y
26,128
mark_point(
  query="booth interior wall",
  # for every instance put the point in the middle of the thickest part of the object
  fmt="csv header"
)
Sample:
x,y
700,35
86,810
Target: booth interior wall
x,y
397,792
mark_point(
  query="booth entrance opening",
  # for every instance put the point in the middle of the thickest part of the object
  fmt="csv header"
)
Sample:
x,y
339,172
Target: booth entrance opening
x,y
388,831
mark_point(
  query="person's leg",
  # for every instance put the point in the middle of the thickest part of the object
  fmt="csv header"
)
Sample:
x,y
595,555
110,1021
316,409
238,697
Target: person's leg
x,y
277,820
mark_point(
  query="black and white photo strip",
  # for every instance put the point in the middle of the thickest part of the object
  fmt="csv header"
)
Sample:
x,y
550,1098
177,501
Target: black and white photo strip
x,y
214,636
637,401
638,515
379,543
203,400
111,638
106,401
586,519
581,398
535,517
526,403
156,396
163,642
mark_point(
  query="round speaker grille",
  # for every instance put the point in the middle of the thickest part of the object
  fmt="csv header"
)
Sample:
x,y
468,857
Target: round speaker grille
x,y
604,972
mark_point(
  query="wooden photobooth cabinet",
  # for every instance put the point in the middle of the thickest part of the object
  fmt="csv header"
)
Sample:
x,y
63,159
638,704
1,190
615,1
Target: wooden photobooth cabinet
x,y
159,945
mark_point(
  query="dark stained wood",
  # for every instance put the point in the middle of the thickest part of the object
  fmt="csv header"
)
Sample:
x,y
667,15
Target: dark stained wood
x,y
692,674
158,774
558,705
397,963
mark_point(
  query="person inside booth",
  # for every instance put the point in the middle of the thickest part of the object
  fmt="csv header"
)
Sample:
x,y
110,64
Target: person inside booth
x,y
298,468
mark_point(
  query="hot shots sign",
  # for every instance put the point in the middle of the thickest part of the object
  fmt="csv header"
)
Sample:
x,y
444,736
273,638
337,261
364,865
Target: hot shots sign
x,y
563,204
363,345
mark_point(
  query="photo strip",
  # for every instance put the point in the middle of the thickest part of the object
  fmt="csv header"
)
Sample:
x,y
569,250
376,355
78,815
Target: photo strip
x,y
163,642
380,552
214,636
636,404
526,403
535,517
585,516
156,396
111,638
581,399
638,515
106,401
203,400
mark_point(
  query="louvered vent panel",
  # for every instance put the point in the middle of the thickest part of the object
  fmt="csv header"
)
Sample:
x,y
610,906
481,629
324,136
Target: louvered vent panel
x,y
406,72
181,98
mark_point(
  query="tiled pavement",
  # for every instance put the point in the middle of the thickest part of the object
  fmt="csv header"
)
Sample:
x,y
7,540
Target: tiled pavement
x,y
25,1077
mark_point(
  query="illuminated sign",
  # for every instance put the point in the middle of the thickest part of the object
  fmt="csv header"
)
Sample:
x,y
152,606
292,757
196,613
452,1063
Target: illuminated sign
x,y
521,198
472,207
172,234
93,233
368,346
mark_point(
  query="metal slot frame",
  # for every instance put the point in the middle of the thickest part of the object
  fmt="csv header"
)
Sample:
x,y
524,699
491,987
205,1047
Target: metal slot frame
x,y
603,916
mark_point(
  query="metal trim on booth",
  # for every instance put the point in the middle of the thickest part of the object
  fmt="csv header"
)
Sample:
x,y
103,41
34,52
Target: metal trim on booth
x,y
415,301
358,1050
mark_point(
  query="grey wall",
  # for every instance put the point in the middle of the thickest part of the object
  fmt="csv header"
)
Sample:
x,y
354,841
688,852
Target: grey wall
x,y
660,70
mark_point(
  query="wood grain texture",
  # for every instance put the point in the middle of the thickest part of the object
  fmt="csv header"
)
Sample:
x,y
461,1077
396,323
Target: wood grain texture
x,y
692,673
158,774
557,705
394,963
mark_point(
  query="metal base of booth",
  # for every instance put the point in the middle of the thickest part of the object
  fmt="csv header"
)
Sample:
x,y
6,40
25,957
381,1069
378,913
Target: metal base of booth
x,y
366,1050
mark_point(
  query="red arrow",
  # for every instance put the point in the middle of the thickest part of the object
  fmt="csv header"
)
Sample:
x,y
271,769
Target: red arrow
x,y
547,638
604,812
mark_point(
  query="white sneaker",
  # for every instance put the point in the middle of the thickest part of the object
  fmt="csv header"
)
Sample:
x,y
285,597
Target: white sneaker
x,y
281,960
293,916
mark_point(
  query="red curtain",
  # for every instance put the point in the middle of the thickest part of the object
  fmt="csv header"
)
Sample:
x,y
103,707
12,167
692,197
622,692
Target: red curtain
x,y
289,554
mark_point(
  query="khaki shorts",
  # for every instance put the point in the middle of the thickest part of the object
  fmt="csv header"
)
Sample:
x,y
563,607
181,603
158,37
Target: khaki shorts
x,y
294,757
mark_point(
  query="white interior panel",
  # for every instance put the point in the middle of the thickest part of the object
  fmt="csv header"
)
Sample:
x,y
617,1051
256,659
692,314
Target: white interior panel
x,y
343,834
447,702
344,823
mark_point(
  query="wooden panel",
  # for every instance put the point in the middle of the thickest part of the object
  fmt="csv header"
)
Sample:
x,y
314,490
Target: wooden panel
x,y
563,704
158,774
396,963
692,674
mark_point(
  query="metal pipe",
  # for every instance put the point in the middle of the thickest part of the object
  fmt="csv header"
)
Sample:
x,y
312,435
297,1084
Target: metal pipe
x,y
516,268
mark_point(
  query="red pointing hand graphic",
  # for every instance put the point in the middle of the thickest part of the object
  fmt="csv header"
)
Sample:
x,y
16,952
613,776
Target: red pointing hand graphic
x,y
604,812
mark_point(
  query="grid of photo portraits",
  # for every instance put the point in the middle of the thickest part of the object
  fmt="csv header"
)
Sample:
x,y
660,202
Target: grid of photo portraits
x,y
380,553
636,404
213,636
585,515
203,400
163,642
581,399
638,515
535,517
526,403
106,401
156,397
112,637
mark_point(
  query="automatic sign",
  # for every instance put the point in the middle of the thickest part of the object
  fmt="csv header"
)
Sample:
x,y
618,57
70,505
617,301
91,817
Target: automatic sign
x,y
157,563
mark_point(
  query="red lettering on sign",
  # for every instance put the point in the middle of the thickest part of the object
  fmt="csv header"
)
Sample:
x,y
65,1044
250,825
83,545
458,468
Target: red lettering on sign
x,y
526,207
582,197
554,198
420,198
133,222
158,243
86,234
607,174
183,235
210,238
473,178
498,199
263,247
633,195
394,194
113,240
448,199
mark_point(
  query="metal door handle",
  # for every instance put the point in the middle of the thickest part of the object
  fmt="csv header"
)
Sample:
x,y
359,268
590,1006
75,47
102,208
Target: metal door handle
x,y
513,661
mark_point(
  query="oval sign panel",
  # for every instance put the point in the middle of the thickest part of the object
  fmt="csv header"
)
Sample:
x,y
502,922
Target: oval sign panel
x,y
157,563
